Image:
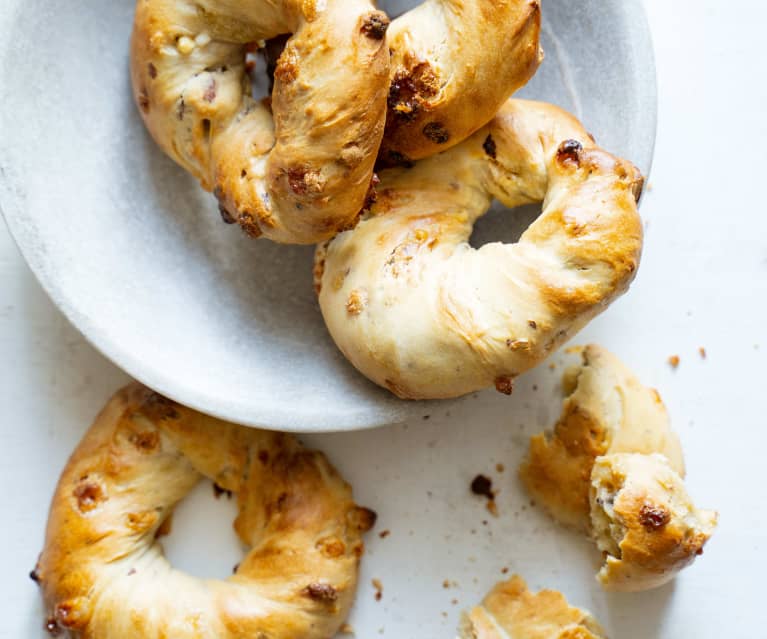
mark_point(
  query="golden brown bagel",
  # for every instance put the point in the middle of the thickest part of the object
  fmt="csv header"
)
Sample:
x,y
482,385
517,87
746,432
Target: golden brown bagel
x,y
606,410
298,172
613,467
420,312
103,574
644,521
511,611
454,64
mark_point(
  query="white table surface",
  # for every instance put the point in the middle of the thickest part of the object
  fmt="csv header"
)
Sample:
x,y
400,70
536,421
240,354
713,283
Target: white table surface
x,y
703,282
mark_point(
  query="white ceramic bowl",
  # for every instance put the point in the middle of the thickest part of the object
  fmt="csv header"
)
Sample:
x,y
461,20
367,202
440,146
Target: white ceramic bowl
x,y
135,255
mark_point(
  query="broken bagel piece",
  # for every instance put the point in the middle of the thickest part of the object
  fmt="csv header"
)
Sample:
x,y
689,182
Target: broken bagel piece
x,y
613,467
511,611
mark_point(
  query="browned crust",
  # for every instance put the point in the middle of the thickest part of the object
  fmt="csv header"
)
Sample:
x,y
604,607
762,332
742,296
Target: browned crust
x,y
495,313
191,85
144,453
511,610
437,103
605,406
656,529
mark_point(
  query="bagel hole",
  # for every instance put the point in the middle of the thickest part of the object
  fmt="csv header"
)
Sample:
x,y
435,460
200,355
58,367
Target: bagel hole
x,y
395,8
261,63
202,541
501,224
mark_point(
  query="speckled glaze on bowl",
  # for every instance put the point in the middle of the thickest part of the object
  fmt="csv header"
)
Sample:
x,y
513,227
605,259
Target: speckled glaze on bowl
x,y
135,255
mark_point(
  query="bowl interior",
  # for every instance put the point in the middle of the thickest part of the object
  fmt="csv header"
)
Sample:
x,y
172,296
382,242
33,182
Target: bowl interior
x,y
135,255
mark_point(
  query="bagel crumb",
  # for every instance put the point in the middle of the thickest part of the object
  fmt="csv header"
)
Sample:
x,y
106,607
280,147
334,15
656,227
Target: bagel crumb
x,y
379,588
492,507
483,486
489,146
500,468
702,352
384,533
504,384
674,361
375,25
321,592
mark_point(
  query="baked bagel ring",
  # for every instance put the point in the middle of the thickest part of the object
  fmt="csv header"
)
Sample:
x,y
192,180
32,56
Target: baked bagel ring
x,y
454,64
298,172
103,574
420,312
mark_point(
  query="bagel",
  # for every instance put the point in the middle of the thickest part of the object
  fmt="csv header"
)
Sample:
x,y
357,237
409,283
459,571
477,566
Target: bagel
x,y
644,521
511,611
418,311
453,65
296,172
102,571
606,410
613,467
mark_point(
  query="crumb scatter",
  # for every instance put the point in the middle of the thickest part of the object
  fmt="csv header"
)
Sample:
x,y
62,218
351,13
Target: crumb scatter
x,y
378,588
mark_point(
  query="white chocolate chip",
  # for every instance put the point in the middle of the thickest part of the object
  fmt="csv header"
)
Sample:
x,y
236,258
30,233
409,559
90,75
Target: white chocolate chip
x,y
185,45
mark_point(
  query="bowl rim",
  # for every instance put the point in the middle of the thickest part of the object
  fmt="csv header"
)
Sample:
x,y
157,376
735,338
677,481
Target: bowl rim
x,y
369,416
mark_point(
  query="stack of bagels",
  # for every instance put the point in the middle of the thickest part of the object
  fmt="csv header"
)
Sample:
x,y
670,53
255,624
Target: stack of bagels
x,y
382,142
